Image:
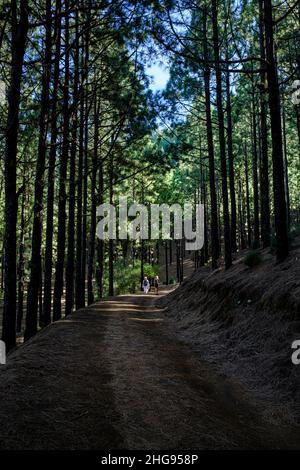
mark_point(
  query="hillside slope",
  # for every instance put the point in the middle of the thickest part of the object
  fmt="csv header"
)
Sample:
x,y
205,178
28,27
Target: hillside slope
x,y
244,321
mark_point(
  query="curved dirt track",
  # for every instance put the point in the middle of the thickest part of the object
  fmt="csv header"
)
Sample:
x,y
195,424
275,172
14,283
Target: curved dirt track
x,y
115,376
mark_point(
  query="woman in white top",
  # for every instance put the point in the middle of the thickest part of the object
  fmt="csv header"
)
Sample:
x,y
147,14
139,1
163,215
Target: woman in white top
x,y
146,285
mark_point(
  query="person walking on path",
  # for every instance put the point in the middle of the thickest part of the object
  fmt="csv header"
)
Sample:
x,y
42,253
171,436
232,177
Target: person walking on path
x,y
146,285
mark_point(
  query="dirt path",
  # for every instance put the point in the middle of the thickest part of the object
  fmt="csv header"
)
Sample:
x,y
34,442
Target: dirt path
x,y
114,376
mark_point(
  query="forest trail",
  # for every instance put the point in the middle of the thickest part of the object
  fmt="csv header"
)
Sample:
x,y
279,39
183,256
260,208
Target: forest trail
x,y
188,269
114,376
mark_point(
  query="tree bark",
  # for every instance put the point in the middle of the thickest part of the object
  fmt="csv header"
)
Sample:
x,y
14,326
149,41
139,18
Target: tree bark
x,y
286,166
241,217
215,243
110,241
249,231
166,263
264,171
280,211
72,174
227,237
100,243
35,283
255,173
51,168
92,237
21,263
230,165
61,231
78,280
85,196
18,42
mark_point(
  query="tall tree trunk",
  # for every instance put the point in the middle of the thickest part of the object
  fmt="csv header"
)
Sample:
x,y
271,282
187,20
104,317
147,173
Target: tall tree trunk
x,y
110,241
91,252
227,237
100,243
78,281
298,105
61,231
201,198
142,241
72,174
81,185
249,231
21,263
215,243
18,41
206,247
177,261
298,127
166,263
241,216
85,178
282,247
51,168
35,282
264,170
254,172
230,164
182,254
142,262
286,166
85,196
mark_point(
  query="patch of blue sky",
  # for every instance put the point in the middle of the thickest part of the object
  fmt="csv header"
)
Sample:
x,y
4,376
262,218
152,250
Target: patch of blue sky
x,y
159,75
